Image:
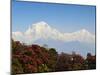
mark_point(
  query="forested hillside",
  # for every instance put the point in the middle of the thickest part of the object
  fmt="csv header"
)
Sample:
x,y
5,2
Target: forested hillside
x,y
36,59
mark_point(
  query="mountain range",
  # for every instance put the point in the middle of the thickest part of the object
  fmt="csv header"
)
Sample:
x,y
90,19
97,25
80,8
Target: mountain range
x,y
42,30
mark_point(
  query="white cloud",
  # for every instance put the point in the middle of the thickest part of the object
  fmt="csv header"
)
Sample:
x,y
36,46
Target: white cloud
x,y
44,31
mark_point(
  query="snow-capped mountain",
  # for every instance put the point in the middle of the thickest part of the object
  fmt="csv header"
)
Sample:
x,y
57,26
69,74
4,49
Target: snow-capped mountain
x,y
42,30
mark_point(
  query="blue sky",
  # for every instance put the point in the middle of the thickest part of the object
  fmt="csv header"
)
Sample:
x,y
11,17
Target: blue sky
x,y
64,17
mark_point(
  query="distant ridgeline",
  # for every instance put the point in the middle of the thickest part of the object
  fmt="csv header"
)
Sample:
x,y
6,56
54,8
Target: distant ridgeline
x,y
36,59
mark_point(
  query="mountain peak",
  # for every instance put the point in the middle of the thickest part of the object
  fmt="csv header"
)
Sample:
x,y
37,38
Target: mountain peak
x,y
41,23
42,30
40,26
84,30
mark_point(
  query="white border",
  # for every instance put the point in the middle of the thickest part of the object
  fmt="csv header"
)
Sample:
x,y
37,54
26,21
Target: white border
x,y
85,2
5,37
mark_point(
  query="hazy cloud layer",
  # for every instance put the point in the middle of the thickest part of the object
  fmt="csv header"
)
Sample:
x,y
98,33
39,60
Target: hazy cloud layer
x,y
42,30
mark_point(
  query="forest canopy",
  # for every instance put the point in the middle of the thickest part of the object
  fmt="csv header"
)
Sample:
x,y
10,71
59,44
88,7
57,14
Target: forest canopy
x,y
37,59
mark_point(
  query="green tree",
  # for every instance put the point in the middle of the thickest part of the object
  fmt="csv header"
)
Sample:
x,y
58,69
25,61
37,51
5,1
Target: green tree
x,y
43,68
16,66
52,59
52,51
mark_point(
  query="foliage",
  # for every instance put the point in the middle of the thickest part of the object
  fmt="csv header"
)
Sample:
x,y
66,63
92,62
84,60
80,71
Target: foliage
x,y
43,68
91,61
16,66
35,58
